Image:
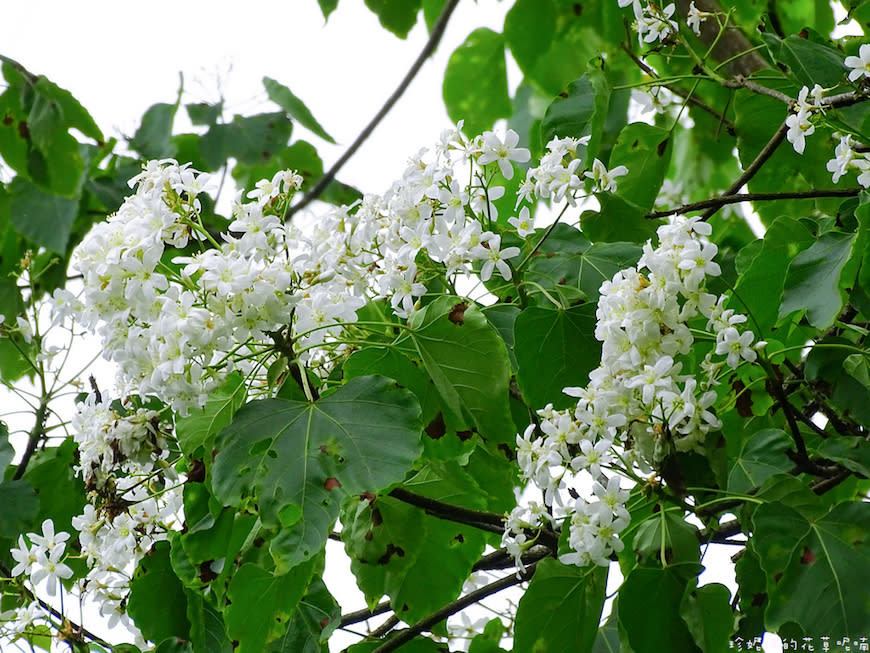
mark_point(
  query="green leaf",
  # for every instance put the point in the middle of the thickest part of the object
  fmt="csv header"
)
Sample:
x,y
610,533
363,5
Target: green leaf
x,y
851,452
707,613
475,82
807,62
760,455
71,113
858,368
42,217
529,28
666,539
469,364
153,584
312,622
207,631
61,494
759,288
432,11
817,568
200,427
261,604
617,220
555,349
153,139
327,7
655,625
391,543
296,460
284,98
251,139
580,111
202,113
389,362
561,608
646,151
397,16
816,278
20,508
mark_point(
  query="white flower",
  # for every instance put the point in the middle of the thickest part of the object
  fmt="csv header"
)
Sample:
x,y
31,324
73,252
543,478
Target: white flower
x,y
860,65
799,127
735,345
653,23
844,158
605,180
503,152
495,258
694,18
523,223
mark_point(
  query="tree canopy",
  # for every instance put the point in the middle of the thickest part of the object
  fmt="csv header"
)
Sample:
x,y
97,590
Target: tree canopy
x,y
611,318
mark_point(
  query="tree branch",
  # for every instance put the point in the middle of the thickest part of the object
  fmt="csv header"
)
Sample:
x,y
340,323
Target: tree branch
x,y
33,440
453,607
487,521
766,152
361,615
428,49
753,197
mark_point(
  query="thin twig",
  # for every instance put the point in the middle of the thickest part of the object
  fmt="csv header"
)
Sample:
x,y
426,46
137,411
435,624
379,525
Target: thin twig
x,y
753,197
741,82
766,152
689,97
428,49
453,607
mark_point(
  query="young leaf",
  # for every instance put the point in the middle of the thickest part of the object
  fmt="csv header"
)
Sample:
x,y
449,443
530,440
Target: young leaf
x,y
284,98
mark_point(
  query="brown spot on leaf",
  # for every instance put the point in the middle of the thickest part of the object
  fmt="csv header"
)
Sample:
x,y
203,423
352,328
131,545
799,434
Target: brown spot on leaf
x,y
8,120
457,313
377,518
206,574
759,599
577,8
197,472
259,542
324,623
562,281
807,557
392,550
743,400
369,536
465,435
660,150
367,496
331,483
436,428
24,130
459,538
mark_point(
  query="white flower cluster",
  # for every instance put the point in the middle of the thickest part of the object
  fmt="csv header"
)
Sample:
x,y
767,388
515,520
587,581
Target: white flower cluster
x,y
639,406
846,158
799,124
560,177
177,325
134,492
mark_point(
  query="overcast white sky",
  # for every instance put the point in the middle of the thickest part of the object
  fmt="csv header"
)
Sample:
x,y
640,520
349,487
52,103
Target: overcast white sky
x,y
118,58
